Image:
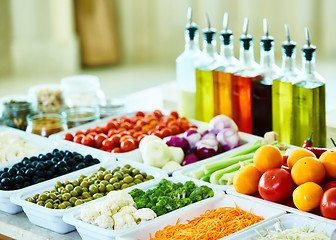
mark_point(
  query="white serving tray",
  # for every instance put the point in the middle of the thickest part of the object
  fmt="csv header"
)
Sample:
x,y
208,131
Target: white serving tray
x,y
288,221
195,210
52,218
247,141
41,142
232,191
91,232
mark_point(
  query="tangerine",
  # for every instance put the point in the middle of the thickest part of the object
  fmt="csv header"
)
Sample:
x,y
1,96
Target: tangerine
x,y
297,154
246,180
308,169
328,159
307,196
267,157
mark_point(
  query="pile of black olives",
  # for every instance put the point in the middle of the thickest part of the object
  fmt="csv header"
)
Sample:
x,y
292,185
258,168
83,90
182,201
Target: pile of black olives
x,y
86,188
40,168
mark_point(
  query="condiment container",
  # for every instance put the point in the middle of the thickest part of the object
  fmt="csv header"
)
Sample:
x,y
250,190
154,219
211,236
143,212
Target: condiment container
x,y
80,115
45,124
113,107
46,98
15,113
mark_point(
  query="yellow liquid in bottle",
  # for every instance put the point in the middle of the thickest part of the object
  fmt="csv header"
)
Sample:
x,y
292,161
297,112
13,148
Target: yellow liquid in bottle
x,y
222,93
282,100
187,104
309,115
204,107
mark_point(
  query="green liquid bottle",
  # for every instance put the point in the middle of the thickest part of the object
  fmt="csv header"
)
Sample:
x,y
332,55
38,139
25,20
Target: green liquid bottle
x,y
204,96
282,93
309,101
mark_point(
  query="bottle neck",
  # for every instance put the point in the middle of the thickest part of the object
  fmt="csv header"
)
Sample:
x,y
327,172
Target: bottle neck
x,y
308,67
191,44
267,59
227,51
288,64
246,56
210,48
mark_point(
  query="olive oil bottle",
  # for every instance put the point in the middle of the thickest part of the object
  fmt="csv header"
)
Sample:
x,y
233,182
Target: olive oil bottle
x,y
262,88
222,76
282,92
185,69
309,101
241,83
204,104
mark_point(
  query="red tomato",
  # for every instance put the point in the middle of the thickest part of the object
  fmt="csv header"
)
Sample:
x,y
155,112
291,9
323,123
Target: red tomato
x,y
137,127
116,140
175,130
128,145
112,125
165,132
68,136
99,139
329,185
141,137
78,138
139,114
175,114
88,141
157,133
158,114
328,204
116,150
79,133
284,160
108,144
276,185
111,132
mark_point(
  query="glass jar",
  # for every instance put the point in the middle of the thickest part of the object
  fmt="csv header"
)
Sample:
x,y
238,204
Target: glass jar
x,y
114,106
80,115
82,91
15,113
46,124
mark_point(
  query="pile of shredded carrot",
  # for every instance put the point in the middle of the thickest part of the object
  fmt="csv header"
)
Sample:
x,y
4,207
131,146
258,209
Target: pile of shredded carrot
x,y
213,224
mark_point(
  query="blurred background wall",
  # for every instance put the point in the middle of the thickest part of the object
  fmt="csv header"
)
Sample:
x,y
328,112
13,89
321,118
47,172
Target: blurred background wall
x,y
63,36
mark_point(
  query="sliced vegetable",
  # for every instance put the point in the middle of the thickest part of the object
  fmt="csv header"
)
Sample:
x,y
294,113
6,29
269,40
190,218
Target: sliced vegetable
x,y
206,148
192,136
228,138
177,154
221,122
175,141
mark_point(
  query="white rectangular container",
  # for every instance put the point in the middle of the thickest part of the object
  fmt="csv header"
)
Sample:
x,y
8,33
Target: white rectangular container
x,y
247,141
195,210
231,191
90,232
288,221
52,218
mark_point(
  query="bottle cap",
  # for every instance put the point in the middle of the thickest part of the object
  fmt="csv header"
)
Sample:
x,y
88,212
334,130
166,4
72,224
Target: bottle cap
x,y
266,40
246,38
191,27
226,33
209,32
288,45
308,49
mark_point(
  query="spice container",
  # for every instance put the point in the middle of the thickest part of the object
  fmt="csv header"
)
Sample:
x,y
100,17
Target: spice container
x,y
82,91
46,98
81,115
46,124
114,106
15,113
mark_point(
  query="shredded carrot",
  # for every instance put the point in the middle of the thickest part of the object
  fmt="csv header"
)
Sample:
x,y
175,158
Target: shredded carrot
x,y
213,224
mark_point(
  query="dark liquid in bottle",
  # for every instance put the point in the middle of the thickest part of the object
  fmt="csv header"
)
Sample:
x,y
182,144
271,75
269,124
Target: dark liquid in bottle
x,y
261,107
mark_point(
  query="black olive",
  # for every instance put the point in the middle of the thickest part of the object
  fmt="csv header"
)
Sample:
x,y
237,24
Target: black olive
x,y
49,155
35,178
80,165
49,174
40,180
55,151
6,182
52,169
71,162
88,158
26,179
42,157
12,171
68,153
32,159
39,173
78,158
61,164
54,161
17,186
18,178
26,184
40,166
5,175
20,172
58,155
17,165
72,168
34,163
48,164
63,170
30,172
95,161
62,153
5,169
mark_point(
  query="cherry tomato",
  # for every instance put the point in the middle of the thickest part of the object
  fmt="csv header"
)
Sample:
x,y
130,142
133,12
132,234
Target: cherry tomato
x,y
116,150
128,145
88,141
112,125
139,114
165,132
68,136
329,185
79,133
328,204
175,114
111,132
125,125
160,127
141,122
157,133
184,127
116,140
137,128
108,144
175,130
123,138
157,113
170,119
276,185
99,138
78,138
141,137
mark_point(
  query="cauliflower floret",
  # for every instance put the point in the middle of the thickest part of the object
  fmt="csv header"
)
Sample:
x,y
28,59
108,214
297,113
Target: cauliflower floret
x,y
105,221
108,208
120,198
122,221
144,214
89,213
128,210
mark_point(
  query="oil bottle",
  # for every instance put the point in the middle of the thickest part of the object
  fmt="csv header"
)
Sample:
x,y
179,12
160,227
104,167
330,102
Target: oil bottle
x,y
185,69
222,76
204,109
309,100
282,92
241,83
262,87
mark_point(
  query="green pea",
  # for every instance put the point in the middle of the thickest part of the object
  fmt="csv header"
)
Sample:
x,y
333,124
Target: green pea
x,y
127,166
97,195
30,199
53,191
118,175
55,206
62,206
75,183
100,176
93,189
69,187
49,205
43,197
116,185
66,196
101,188
106,172
79,190
91,181
78,202
135,172
86,195
73,200
125,185
139,176
144,174
105,182
41,203
113,180
58,184
109,188
131,184
126,170
49,201
52,196
85,189
67,203
128,179
74,193
66,182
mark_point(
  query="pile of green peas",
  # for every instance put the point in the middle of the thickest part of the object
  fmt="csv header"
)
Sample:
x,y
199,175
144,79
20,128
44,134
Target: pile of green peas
x,y
86,188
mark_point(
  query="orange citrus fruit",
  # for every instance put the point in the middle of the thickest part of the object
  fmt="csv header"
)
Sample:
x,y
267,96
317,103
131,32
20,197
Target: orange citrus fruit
x,y
328,159
308,169
297,154
246,180
307,196
267,157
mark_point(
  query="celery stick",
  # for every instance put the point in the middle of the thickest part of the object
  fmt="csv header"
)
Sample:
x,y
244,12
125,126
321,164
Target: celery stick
x,y
225,162
205,178
227,178
215,177
198,173
251,149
